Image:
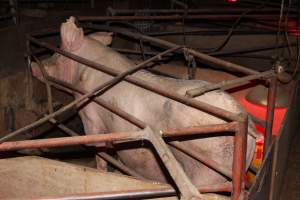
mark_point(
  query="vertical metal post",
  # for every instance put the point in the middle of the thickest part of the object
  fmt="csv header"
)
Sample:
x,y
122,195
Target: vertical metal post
x,y
270,112
239,159
92,3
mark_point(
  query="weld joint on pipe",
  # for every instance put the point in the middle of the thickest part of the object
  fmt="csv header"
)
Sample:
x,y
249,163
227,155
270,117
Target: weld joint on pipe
x,y
242,117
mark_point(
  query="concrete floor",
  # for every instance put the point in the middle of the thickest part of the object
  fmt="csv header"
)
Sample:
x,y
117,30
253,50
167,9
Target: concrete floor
x,y
291,185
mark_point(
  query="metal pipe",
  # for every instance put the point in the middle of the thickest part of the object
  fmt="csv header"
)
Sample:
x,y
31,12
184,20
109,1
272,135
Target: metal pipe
x,y
209,60
103,155
215,128
226,17
140,194
225,10
209,31
228,84
96,91
68,141
184,184
270,112
169,132
250,50
136,81
239,159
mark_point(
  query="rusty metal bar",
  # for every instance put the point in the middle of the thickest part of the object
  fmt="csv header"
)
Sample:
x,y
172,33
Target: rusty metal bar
x,y
209,60
176,17
270,112
239,159
184,184
68,141
138,194
103,155
136,81
215,128
96,91
168,132
228,84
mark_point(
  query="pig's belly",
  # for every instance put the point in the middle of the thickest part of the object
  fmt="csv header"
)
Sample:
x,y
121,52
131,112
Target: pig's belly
x,y
150,109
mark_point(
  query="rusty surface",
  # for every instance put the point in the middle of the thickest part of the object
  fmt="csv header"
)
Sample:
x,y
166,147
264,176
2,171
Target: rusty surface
x,y
67,141
215,128
239,160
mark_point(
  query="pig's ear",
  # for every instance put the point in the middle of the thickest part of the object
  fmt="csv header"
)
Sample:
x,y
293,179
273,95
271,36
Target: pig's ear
x,y
104,37
71,36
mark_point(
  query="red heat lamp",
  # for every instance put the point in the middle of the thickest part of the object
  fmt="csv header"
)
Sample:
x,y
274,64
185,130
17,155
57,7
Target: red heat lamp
x,y
293,29
231,1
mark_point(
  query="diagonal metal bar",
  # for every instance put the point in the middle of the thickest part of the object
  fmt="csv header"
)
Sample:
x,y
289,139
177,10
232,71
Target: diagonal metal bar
x,y
216,111
96,91
207,59
185,186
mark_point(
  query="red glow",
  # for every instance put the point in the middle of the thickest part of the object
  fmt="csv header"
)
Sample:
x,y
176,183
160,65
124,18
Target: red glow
x,y
293,30
260,112
232,1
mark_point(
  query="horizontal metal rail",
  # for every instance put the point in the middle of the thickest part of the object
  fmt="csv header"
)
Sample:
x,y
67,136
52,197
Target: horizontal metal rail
x,y
137,194
178,17
219,112
229,84
207,59
228,127
225,10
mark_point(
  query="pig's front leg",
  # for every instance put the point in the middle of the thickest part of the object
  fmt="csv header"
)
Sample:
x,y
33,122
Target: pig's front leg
x,y
93,124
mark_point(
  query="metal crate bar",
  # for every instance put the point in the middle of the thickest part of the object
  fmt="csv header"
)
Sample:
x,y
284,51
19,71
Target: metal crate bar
x,y
209,60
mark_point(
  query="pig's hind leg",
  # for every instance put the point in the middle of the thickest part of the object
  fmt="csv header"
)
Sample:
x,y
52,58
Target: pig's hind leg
x,y
93,124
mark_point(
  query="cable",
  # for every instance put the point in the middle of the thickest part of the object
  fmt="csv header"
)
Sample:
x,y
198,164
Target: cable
x,y
232,29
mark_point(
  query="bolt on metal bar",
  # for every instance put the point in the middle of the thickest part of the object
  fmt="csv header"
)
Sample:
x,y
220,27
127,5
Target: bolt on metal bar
x,y
207,59
228,84
219,112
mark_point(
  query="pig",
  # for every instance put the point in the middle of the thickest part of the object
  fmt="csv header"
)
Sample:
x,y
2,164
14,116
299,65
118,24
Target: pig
x,y
155,110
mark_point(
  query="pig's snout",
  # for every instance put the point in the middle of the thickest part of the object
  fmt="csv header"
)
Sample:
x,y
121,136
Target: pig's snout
x,y
36,72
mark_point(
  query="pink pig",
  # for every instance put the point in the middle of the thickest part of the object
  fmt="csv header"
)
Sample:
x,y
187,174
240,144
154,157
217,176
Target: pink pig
x,y
155,110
